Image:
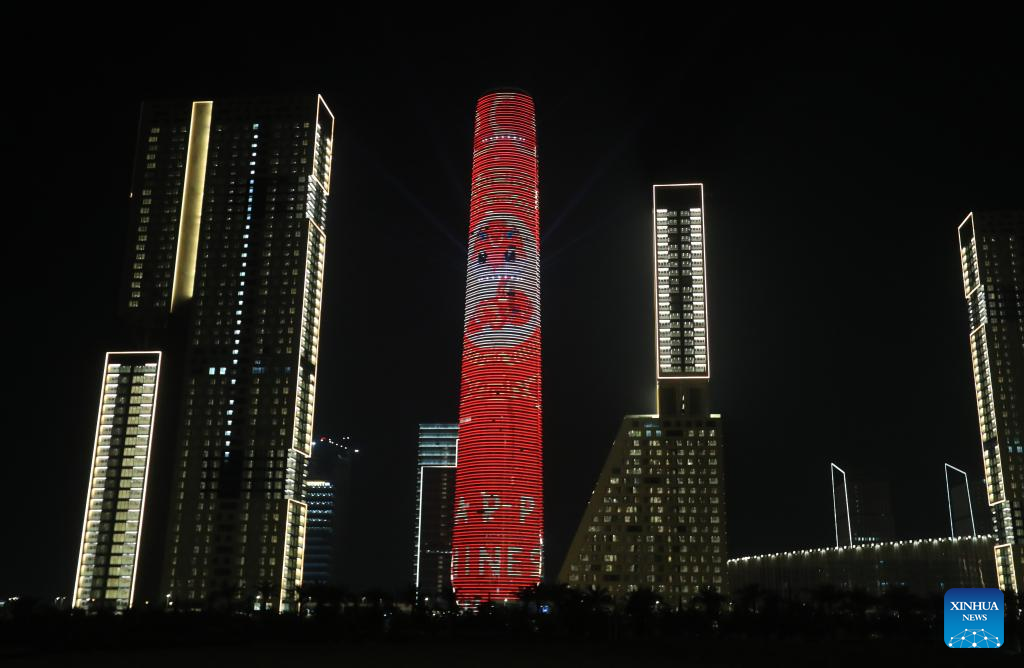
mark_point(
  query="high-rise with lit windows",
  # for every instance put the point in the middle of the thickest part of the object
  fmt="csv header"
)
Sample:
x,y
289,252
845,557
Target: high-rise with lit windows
x,y
436,456
328,489
111,533
992,262
224,279
656,518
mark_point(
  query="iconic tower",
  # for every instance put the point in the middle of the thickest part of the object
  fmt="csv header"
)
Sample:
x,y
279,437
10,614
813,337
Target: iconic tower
x,y
498,534
221,308
656,518
992,262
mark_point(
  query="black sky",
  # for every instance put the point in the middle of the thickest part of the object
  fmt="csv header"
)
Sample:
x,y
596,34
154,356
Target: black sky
x,y
839,155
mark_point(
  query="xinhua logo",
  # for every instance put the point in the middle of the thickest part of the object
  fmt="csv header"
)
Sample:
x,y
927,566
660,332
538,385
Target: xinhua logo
x,y
973,618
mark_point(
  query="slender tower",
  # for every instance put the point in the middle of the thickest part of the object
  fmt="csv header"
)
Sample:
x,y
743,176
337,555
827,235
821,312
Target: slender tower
x,y
498,534
992,261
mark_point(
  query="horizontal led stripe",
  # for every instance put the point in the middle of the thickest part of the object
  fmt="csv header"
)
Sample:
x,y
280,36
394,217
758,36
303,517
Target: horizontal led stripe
x,y
497,543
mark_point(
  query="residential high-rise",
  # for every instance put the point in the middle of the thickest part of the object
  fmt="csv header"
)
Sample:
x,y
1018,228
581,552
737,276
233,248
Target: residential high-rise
x,y
497,539
992,262
656,518
436,457
111,532
224,279
328,493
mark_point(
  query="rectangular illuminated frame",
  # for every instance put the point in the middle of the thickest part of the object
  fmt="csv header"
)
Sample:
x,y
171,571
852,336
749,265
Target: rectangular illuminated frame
x,y
669,325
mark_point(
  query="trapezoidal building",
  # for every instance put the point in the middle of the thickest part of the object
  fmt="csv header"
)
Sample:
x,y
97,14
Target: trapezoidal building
x,y
656,519
497,538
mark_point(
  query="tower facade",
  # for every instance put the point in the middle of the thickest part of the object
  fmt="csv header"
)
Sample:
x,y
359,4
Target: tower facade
x,y
328,496
656,519
257,178
497,538
223,282
992,263
108,557
436,456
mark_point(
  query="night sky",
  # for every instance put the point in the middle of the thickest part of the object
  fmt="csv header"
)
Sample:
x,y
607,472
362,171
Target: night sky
x,y
838,154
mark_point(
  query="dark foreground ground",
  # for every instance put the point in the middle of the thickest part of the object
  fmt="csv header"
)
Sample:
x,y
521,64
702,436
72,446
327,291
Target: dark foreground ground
x,y
630,654
564,629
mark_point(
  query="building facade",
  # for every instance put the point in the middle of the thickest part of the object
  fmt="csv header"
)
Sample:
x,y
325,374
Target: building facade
x,y
111,532
656,518
497,539
436,457
992,263
321,548
224,278
928,566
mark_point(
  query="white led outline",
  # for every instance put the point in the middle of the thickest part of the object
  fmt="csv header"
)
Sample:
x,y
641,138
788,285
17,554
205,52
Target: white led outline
x,y
835,510
704,272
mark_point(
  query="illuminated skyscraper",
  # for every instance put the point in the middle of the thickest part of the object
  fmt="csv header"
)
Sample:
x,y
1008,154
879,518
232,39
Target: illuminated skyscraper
x,y
498,535
435,507
224,278
111,532
992,262
656,518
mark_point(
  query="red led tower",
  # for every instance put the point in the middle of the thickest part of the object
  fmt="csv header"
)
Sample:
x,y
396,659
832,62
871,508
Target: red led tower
x,y
497,542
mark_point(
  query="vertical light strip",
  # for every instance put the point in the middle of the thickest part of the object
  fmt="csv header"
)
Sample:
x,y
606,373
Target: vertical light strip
x,y
76,595
307,351
191,203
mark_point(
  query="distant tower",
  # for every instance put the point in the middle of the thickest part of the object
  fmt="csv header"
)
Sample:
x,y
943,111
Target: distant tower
x,y
992,262
656,518
871,515
328,495
498,535
436,456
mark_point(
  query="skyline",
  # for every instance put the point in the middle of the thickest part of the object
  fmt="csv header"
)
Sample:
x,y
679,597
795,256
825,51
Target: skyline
x,y
843,273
